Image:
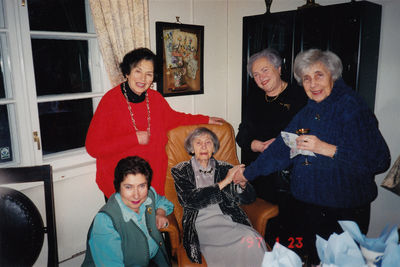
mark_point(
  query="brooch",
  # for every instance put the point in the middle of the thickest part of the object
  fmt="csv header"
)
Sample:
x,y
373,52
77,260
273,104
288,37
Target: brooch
x,y
149,210
287,106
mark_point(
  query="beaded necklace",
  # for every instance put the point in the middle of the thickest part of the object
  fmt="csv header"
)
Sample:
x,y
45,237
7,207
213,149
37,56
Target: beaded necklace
x,y
131,112
206,172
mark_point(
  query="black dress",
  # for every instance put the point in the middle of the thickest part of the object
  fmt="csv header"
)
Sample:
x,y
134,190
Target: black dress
x,y
265,118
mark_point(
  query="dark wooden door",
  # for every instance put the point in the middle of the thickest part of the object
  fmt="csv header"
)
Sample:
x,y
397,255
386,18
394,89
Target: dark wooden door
x,y
262,31
351,30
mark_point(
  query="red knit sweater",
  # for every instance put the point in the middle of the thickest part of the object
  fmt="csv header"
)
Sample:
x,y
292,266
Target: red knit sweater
x,y
111,135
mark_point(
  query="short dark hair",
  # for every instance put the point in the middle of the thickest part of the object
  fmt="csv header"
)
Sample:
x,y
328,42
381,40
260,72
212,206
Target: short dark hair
x,y
133,58
131,165
196,133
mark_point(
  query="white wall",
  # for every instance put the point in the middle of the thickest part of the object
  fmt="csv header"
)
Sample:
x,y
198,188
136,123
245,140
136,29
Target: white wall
x,y
385,209
77,197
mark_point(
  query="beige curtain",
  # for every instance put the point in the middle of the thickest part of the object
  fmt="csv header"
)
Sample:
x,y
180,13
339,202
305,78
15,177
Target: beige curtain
x,y
121,26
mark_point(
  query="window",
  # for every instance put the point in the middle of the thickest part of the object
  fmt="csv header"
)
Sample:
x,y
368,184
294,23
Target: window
x,y
6,103
51,79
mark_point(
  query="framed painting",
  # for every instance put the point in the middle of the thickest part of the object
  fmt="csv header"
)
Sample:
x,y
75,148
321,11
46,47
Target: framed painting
x,y
180,49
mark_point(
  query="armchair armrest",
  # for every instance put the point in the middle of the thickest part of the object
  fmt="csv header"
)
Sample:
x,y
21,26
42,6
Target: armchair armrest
x,y
259,212
173,231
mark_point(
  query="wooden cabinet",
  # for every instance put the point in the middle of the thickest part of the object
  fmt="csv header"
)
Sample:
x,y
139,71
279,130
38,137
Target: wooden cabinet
x,y
351,30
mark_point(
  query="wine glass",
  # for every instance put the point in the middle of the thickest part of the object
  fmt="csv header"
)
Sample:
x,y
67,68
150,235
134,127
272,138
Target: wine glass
x,y
302,131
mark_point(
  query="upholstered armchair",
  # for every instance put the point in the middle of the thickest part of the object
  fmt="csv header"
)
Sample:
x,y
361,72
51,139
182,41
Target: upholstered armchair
x,y
258,212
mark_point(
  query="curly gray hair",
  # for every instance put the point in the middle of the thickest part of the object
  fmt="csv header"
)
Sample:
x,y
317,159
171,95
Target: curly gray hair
x,y
309,57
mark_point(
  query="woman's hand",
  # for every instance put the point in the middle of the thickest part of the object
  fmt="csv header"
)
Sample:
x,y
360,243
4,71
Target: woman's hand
x,y
230,175
161,219
216,120
143,137
239,178
259,146
314,144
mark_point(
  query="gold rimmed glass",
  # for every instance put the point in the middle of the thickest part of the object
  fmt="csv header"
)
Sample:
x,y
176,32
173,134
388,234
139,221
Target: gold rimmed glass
x,y
303,131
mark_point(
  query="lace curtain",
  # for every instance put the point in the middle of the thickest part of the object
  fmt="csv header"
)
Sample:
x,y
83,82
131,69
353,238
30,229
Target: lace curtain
x,y
121,26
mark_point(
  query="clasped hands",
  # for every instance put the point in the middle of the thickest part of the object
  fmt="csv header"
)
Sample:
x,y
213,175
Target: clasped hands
x,y
234,174
238,177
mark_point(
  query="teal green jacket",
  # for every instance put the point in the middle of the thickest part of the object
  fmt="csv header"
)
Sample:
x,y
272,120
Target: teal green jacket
x,y
134,245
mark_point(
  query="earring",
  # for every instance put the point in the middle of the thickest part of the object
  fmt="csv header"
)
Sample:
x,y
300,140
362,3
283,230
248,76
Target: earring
x,y
152,86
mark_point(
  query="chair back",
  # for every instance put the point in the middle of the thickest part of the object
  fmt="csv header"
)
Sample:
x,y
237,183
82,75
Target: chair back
x,y
24,175
176,153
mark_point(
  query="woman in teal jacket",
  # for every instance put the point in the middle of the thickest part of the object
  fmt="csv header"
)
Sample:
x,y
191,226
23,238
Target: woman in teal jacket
x,y
125,232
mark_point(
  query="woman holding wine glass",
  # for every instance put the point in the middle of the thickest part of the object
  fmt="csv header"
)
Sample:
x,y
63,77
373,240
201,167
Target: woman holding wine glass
x,y
349,149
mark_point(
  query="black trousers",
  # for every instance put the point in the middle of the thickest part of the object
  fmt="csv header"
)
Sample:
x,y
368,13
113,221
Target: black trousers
x,y
301,222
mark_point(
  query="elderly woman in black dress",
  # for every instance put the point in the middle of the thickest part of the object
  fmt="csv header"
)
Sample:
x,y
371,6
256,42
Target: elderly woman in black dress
x,y
270,107
213,223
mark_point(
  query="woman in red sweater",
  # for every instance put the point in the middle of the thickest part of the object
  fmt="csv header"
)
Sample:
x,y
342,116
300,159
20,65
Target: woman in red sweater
x,y
131,120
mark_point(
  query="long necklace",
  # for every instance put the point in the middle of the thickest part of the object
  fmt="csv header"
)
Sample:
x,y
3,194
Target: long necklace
x,y
283,87
130,110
